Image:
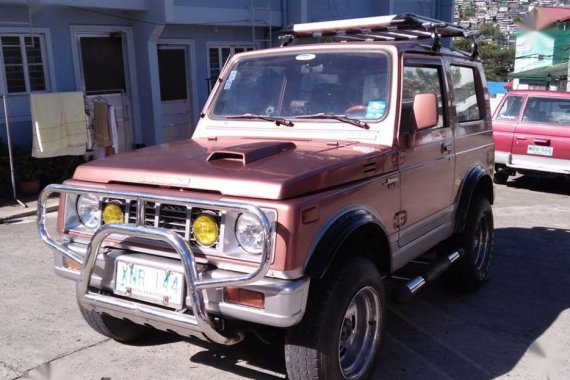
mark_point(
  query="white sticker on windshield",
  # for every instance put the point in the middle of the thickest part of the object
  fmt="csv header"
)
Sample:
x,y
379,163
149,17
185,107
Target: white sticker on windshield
x,y
305,57
232,76
228,85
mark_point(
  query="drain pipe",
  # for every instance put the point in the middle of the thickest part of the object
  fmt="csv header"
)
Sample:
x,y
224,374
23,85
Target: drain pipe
x,y
284,13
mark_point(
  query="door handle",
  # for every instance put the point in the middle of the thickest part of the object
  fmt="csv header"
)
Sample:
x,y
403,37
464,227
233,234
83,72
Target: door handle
x,y
542,141
521,138
445,147
390,182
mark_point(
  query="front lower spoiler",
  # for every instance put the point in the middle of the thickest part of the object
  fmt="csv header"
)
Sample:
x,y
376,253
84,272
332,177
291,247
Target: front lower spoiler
x,y
199,323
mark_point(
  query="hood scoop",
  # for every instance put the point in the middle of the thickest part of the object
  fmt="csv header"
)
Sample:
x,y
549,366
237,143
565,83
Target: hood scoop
x,y
248,153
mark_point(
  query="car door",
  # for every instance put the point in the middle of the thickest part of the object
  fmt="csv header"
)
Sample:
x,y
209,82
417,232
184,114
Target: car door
x,y
542,138
504,123
427,165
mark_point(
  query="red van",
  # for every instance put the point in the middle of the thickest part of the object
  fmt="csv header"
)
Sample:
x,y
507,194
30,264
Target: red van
x,y
531,129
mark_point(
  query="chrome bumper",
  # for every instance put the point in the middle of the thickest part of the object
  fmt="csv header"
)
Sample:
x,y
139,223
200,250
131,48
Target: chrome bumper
x,y
199,323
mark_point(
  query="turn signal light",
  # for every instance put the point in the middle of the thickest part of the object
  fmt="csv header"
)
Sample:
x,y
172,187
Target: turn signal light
x,y
245,297
68,263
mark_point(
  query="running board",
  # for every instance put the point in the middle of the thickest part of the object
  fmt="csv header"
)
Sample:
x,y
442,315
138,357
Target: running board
x,y
405,292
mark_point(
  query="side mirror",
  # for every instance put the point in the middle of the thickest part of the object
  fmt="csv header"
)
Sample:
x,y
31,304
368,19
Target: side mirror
x,y
418,114
425,110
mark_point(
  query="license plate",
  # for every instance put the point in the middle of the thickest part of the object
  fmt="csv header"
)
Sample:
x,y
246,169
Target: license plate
x,y
540,150
157,285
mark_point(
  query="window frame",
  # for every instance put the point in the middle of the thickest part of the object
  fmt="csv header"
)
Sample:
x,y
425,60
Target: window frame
x,y
504,104
247,46
44,41
478,85
525,107
429,62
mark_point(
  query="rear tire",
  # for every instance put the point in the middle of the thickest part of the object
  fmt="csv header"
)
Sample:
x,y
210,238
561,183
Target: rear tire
x,y
477,242
118,329
340,334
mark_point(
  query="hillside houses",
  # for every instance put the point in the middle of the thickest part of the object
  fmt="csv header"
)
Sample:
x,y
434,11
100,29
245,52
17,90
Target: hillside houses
x,y
505,14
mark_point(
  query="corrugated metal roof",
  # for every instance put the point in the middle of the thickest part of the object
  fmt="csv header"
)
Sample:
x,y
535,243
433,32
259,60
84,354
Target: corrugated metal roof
x,y
559,71
543,17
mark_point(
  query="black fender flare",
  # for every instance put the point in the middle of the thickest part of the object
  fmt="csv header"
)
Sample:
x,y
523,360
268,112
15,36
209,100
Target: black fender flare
x,y
328,244
476,177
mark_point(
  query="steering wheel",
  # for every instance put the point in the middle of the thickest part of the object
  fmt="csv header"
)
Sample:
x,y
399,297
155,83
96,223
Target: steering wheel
x,y
356,108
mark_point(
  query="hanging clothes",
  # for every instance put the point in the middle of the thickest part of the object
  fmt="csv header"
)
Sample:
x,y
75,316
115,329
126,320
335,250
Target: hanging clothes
x,y
59,124
101,131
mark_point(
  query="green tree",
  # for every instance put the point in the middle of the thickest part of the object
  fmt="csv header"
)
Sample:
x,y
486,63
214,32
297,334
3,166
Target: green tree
x,y
467,13
491,31
497,61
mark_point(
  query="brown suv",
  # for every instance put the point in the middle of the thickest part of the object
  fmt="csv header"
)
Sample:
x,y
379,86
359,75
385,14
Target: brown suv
x,y
317,172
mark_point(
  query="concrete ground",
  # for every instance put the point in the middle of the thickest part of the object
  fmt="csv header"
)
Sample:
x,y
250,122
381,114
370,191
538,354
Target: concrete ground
x,y
517,326
23,207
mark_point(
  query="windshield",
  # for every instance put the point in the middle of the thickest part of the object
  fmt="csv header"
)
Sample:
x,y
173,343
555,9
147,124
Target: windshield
x,y
354,84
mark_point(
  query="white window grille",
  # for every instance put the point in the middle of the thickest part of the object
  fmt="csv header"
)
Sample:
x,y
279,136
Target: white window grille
x,y
217,57
23,61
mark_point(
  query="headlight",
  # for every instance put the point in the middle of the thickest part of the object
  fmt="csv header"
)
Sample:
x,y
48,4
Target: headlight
x,y
249,233
88,210
205,230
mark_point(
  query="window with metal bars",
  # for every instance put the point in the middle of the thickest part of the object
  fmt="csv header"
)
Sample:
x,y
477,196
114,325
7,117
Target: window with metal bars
x,y
23,62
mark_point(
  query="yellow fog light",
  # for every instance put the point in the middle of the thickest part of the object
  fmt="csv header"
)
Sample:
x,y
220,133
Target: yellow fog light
x,y
205,229
112,213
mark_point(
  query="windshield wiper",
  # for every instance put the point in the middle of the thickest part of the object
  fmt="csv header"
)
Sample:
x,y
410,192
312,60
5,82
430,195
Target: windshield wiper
x,y
343,118
277,120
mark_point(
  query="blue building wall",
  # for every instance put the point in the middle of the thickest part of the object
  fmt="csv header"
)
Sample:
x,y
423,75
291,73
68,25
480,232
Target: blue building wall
x,y
56,21
149,22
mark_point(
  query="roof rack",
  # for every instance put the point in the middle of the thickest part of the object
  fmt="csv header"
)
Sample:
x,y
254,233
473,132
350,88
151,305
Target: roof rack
x,y
399,27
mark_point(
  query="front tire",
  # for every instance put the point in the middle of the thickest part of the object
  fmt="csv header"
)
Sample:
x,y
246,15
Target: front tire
x,y
340,334
118,329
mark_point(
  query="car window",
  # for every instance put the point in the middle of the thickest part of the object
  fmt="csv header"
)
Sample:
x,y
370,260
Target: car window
x,y
418,80
510,109
466,102
547,110
355,84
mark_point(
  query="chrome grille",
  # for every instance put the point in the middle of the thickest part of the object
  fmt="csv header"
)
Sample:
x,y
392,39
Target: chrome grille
x,y
174,217
169,216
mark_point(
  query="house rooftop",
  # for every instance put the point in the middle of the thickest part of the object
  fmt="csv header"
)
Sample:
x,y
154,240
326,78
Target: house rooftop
x,y
541,18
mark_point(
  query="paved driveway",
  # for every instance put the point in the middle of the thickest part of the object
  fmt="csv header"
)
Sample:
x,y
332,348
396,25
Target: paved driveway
x,y
517,326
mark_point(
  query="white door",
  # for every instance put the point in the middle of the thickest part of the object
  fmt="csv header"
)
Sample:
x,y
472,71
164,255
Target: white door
x,y
174,94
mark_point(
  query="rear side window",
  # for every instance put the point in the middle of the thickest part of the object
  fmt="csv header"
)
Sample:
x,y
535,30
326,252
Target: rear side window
x,y
466,102
547,110
510,109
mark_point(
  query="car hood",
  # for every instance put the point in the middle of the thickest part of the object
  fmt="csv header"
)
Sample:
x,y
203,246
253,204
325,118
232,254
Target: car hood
x,y
241,167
